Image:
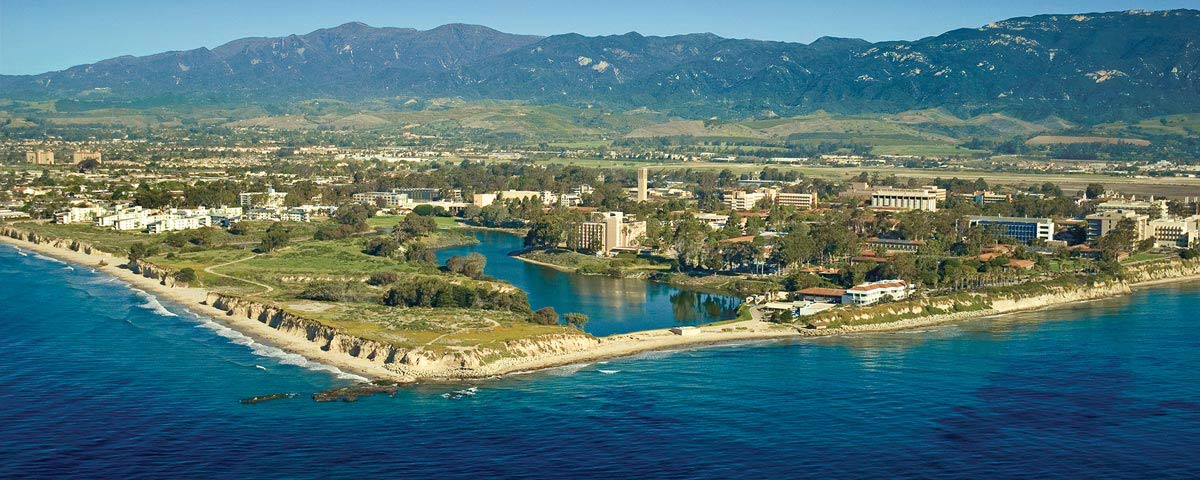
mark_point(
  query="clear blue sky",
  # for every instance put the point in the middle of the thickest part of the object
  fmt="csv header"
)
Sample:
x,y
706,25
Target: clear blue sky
x,y
43,35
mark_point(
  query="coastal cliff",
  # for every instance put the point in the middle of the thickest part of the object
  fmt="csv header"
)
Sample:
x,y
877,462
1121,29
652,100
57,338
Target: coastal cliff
x,y
417,362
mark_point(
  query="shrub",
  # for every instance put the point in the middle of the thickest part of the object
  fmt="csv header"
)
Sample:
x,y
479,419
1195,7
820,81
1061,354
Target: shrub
x,y
185,275
437,293
544,316
332,292
577,320
383,278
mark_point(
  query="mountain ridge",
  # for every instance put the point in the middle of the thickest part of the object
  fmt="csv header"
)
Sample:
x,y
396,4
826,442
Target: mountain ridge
x,y
1082,67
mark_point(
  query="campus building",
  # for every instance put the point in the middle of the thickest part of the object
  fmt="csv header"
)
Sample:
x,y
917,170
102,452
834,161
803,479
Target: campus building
x,y
924,198
1023,229
1154,209
606,232
40,157
1100,223
798,200
868,293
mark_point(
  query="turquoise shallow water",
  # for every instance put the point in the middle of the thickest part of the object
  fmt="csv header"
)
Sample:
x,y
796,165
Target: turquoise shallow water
x,y
100,381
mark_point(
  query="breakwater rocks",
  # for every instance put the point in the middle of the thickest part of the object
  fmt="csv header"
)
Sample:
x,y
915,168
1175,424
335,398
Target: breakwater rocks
x,y
416,362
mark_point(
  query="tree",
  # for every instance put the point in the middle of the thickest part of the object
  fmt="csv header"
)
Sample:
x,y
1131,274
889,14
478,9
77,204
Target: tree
x,y
577,320
413,226
545,316
419,253
1094,190
353,214
547,231
471,265
185,275
277,236
381,247
423,210
139,251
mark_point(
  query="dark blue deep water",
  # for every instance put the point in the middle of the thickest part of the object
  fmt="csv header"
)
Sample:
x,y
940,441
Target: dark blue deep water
x,y
98,381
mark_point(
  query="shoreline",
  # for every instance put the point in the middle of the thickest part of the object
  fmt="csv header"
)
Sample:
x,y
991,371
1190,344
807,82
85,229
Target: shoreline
x,y
610,347
194,300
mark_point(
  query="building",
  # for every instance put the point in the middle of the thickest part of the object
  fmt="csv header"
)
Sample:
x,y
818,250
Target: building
x,y
925,199
483,199
883,246
819,294
420,194
1175,232
1100,223
40,157
606,232
175,222
868,293
82,155
799,200
1154,209
267,199
985,197
79,215
642,181
387,199
741,199
1023,229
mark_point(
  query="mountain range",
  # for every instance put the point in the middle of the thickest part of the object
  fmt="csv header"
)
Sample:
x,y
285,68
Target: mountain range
x,y
1083,67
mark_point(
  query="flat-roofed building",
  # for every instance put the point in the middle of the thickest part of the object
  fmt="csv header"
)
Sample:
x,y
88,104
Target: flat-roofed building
x,y
741,199
1175,232
906,199
1024,229
1100,223
1154,209
985,197
40,157
797,200
820,294
82,155
267,199
606,232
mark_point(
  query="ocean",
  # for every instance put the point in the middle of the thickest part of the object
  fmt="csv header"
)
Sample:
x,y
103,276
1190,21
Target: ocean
x,y
98,380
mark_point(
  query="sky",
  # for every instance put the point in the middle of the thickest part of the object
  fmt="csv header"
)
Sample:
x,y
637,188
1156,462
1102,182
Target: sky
x,y
43,35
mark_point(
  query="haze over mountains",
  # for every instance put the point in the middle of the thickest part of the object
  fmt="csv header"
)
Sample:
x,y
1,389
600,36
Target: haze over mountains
x,y
1084,68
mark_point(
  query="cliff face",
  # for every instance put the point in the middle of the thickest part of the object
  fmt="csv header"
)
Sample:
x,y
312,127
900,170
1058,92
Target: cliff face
x,y
416,362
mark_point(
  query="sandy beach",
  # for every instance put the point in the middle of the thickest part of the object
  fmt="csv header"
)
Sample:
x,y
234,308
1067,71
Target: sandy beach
x,y
606,347
193,299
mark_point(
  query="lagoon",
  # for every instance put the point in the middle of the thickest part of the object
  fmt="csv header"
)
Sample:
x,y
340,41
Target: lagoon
x,y
614,305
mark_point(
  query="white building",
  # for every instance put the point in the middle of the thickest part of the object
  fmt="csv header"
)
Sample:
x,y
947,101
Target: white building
x,y
267,199
1175,232
742,200
907,199
798,200
868,293
1154,209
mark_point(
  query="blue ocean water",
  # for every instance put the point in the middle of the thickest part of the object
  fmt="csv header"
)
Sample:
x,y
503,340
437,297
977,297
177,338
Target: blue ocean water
x,y
99,381
614,305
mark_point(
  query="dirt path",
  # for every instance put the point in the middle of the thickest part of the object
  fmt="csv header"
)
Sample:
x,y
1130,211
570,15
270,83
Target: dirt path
x,y
266,288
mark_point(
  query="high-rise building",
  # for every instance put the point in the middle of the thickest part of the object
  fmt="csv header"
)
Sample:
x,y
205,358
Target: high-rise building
x,y
82,155
40,157
643,179
1100,223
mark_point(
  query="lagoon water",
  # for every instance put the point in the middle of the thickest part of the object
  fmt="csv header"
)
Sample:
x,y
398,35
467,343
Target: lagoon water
x,y
613,305
101,381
